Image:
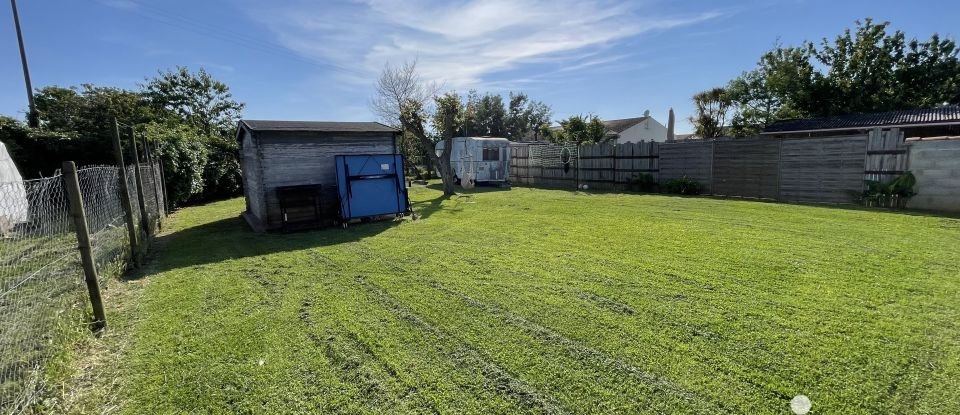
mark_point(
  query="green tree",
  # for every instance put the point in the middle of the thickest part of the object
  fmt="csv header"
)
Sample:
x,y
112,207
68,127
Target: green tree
x,y
518,117
525,117
491,115
401,95
865,69
711,108
581,129
195,98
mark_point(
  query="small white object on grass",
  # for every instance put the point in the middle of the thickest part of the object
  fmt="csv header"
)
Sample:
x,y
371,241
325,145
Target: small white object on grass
x,y
800,404
585,187
260,362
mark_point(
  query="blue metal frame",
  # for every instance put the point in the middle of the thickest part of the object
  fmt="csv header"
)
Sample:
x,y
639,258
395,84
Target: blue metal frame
x,y
370,185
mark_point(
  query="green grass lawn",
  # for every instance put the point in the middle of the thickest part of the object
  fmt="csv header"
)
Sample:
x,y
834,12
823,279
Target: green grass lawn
x,y
551,301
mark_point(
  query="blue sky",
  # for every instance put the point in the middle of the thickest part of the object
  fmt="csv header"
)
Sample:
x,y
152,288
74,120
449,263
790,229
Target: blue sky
x,y
318,60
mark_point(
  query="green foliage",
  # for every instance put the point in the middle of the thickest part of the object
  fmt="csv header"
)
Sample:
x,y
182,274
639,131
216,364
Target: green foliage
x,y
184,154
580,129
859,71
448,117
525,117
683,186
221,175
195,98
487,116
643,183
711,108
191,116
894,194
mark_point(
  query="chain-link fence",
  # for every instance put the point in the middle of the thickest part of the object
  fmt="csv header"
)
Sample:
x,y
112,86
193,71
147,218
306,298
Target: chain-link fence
x,y
42,295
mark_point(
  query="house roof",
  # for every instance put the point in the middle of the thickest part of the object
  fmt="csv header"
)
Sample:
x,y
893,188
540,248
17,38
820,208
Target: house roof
x,y
318,126
938,115
619,126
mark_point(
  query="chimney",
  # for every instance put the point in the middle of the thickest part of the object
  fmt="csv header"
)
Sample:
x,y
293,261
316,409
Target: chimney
x,y
671,120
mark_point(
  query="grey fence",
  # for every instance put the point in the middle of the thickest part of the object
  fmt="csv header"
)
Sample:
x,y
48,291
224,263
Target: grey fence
x,y
812,169
42,295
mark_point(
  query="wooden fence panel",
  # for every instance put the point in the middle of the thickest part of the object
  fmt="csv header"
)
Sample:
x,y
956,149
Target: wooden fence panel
x,y
520,165
886,156
529,166
694,160
635,159
747,168
597,166
822,169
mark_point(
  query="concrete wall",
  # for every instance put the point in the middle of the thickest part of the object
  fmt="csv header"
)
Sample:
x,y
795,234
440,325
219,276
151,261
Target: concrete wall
x,y
936,164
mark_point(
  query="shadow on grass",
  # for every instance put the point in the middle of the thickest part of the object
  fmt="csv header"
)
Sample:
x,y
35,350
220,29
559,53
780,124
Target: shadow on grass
x,y
231,238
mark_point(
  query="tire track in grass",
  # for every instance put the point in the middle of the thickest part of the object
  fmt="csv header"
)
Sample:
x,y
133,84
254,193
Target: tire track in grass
x,y
685,331
465,356
578,350
379,384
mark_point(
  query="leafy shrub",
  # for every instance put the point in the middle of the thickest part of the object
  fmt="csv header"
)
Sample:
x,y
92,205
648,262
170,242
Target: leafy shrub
x,y
642,183
889,195
221,175
683,186
184,155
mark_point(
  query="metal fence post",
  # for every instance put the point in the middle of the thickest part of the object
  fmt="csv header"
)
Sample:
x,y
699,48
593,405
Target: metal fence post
x,y
125,201
83,243
144,218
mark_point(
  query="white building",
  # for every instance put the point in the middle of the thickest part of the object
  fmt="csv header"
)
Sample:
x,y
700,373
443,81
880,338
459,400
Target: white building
x,y
632,130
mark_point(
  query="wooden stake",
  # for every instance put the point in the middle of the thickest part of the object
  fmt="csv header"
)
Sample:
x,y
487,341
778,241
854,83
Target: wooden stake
x,y
83,243
125,201
153,180
144,219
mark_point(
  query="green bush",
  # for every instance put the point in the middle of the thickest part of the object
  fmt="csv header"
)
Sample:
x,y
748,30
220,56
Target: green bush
x,y
683,186
642,183
894,194
184,155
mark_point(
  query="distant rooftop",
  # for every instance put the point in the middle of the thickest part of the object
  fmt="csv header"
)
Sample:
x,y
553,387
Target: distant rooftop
x,y
318,126
938,115
619,126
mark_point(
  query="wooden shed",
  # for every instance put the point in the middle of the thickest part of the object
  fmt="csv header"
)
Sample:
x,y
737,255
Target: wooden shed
x,y
279,154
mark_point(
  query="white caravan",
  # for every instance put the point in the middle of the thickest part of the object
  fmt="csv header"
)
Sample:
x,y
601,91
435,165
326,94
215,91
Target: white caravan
x,y
479,159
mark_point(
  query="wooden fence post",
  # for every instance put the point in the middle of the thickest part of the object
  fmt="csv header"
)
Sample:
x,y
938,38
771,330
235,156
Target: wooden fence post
x,y
144,219
83,243
153,179
125,201
163,188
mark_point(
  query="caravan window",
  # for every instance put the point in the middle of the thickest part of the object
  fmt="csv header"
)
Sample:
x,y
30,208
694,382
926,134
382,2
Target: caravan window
x,y
491,154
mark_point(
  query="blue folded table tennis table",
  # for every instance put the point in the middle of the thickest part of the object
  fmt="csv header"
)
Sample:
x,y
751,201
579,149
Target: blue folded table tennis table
x,y
371,185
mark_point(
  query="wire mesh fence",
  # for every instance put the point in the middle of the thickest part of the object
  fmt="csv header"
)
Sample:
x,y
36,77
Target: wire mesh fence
x,y
42,294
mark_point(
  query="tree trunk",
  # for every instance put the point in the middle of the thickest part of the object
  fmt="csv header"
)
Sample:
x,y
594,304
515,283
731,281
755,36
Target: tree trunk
x,y
442,161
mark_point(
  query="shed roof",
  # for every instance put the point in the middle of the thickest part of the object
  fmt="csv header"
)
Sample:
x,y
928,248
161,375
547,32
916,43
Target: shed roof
x,y
318,126
939,115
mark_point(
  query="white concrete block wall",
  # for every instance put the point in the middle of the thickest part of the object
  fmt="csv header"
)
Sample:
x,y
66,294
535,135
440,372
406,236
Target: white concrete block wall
x,y
936,165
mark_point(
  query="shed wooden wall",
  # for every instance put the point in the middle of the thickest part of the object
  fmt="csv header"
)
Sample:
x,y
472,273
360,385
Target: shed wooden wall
x,y
252,175
289,159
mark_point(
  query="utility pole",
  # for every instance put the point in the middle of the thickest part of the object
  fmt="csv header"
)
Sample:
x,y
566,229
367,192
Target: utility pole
x,y
32,117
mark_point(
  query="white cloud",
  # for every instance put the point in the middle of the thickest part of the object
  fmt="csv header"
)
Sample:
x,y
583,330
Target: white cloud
x,y
463,44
